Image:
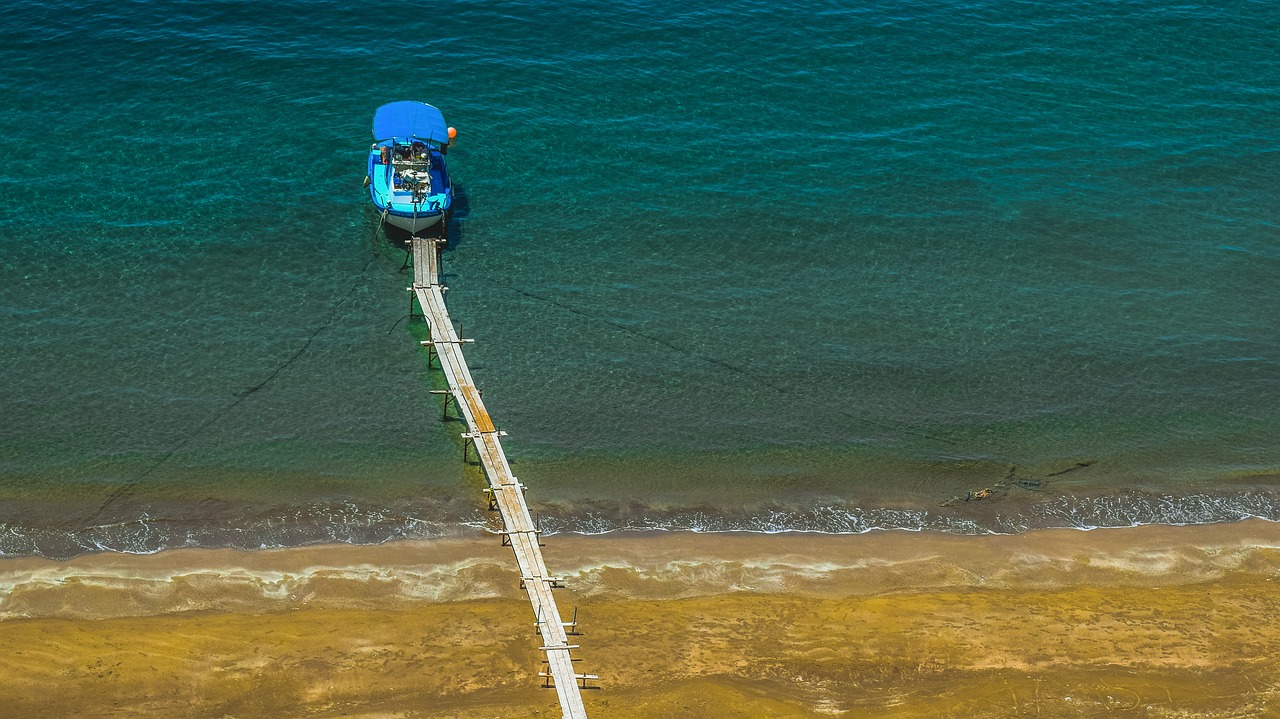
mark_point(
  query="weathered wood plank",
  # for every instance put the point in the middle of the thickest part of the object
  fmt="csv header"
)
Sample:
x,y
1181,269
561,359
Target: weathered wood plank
x,y
472,397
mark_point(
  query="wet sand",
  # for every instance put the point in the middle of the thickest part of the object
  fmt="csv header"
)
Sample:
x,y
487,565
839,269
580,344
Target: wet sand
x,y
1142,622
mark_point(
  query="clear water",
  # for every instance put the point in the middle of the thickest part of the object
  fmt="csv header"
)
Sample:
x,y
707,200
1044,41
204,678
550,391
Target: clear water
x,y
755,266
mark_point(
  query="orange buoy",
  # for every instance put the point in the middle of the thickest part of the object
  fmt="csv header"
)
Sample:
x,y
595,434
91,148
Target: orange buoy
x,y
453,132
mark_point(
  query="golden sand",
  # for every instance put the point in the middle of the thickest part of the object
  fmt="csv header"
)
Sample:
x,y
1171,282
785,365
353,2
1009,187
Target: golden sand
x,y
1140,622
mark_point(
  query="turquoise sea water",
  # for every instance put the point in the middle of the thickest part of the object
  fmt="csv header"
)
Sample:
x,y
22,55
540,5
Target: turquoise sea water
x,y
730,266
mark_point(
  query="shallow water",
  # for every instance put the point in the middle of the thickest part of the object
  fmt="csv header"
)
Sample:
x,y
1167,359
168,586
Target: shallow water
x,y
760,266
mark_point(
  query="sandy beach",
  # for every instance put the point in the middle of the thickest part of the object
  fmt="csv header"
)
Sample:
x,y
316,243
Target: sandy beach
x,y
1147,622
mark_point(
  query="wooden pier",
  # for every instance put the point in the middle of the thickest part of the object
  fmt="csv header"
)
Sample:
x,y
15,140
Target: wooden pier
x,y
506,494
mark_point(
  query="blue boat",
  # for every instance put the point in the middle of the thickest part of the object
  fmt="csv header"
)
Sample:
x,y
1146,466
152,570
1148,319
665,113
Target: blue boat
x,y
407,178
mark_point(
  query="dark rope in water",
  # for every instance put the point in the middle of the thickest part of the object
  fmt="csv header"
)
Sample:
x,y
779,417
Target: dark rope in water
x,y
788,391
124,489
402,319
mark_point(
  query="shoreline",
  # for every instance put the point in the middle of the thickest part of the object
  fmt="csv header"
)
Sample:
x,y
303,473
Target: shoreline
x,y
1162,621
996,509
656,564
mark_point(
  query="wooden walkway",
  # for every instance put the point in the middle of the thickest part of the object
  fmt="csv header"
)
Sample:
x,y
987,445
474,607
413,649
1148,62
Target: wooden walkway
x,y
506,494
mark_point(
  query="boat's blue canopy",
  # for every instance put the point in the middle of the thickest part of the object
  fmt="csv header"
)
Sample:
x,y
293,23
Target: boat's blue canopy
x,y
409,118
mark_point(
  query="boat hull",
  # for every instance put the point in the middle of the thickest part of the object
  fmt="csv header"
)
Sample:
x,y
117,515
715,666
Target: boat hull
x,y
412,224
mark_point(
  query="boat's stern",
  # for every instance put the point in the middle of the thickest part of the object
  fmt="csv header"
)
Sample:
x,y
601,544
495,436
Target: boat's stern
x,y
409,184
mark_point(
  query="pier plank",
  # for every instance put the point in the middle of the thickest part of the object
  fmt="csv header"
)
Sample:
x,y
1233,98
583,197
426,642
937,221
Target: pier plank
x,y
508,493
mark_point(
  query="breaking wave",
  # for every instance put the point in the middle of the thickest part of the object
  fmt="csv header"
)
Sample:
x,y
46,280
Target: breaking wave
x,y
353,523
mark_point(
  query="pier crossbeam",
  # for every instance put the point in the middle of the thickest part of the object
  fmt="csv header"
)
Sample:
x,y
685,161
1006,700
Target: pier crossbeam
x,y
520,530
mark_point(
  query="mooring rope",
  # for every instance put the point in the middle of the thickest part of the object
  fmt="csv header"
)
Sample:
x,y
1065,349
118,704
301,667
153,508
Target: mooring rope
x,y
126,488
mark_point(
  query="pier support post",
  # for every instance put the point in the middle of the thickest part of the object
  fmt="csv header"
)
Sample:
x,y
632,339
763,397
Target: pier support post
x,y
448,397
